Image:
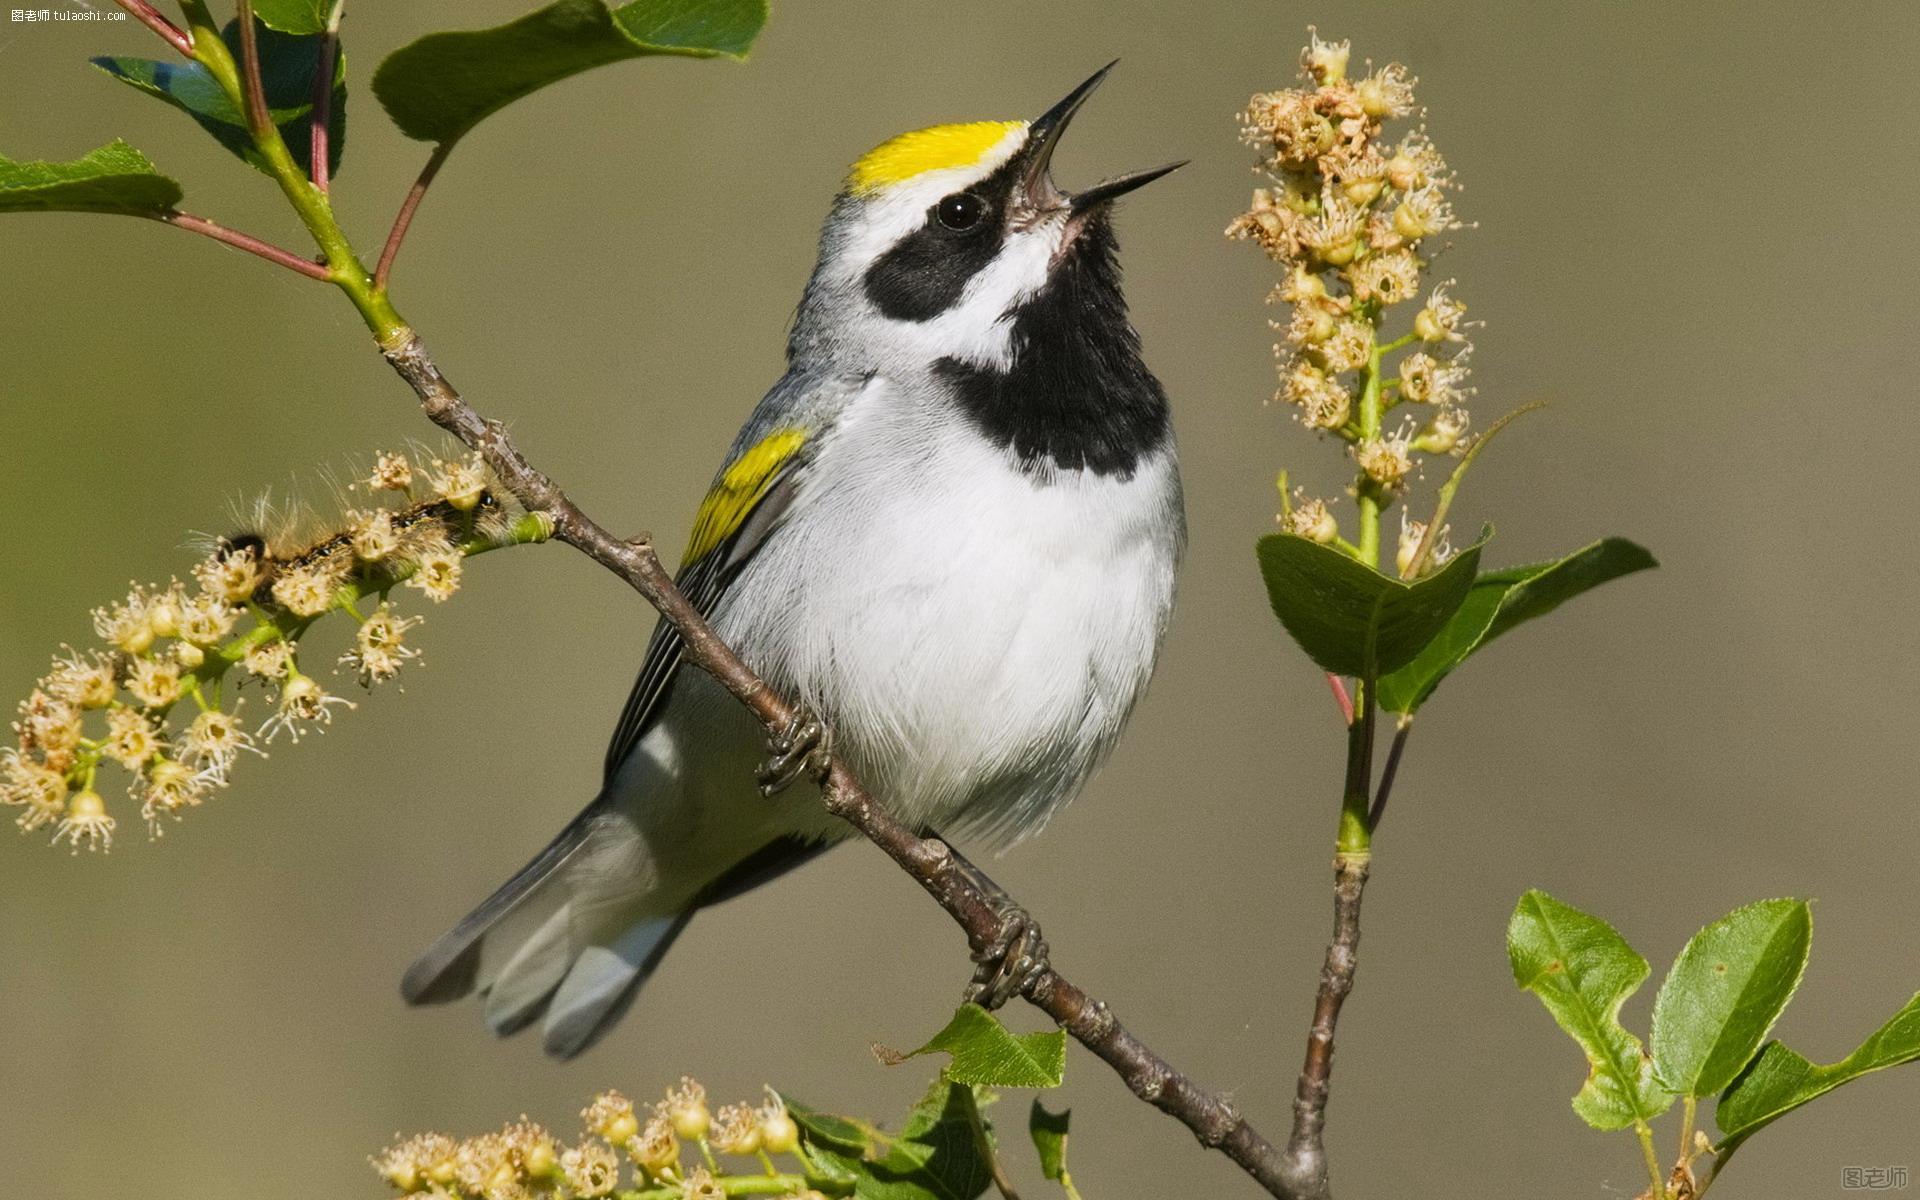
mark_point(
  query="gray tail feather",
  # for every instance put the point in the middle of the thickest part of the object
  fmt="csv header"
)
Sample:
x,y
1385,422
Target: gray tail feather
x,y
450,968
581,990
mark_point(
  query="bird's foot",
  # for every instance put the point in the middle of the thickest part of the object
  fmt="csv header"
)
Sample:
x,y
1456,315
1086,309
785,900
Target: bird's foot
x,y
803,747
1005,966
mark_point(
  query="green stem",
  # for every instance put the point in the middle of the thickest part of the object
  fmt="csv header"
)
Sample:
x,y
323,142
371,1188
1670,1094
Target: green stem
x,y
310,204
1689,1110
1366,492
1355,838
1645,1133
733,1185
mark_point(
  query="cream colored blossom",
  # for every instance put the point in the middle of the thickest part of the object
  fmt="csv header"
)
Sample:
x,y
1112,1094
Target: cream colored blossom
x,y
308,589
154,682
1312,520
82,683
303,703
437,574
391,473
1386,93
86,823
1385,460
591,1168
461,482
379,649
232,574
131,738
686,1107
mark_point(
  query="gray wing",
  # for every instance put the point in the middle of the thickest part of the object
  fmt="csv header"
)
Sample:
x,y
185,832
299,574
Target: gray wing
x,y
800,402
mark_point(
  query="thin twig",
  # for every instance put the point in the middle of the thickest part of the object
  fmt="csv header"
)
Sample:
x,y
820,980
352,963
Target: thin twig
x,y
151,17
258,120
320,121
1341,698
1388,772
404,218
928,860
250,244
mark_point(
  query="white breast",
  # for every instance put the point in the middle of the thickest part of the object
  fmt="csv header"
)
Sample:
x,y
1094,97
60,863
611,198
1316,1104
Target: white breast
x,y
976,636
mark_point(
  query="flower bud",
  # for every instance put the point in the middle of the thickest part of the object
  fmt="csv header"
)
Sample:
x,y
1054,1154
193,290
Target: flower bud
x,y
686,1110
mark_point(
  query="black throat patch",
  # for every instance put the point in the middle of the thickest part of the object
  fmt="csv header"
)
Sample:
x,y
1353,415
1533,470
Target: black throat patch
x,y
1076,395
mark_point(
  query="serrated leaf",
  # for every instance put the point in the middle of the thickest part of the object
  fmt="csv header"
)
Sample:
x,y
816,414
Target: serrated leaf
x,y
1049,1133
295,16
287,64
1583,971
987,1054
113,178
1351,619
1780,1080
1724,993
437,88
1500,600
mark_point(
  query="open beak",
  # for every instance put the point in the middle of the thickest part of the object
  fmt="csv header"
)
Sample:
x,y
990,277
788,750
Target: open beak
x,y
1043,135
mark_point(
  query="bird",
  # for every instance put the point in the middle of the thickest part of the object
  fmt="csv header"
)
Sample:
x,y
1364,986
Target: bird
x,y
950,534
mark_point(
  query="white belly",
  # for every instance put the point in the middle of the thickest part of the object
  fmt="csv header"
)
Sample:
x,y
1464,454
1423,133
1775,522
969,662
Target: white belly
x,y
975,636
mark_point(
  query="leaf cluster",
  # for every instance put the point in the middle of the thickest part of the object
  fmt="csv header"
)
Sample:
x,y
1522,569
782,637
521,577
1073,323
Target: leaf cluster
x,y
1708,1038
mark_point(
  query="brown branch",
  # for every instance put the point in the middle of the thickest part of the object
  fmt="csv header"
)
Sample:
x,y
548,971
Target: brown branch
x,y
928,860
1306,1155
403,220
242,241
150,16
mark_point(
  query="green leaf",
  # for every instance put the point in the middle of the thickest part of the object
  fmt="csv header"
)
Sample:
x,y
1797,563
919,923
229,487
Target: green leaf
x,y
1724,993
826,1127
1780,1080
437,88
1351,619
295,16
287,64
1583,970
114,178
986,1053
1500,600
1049,1132
934,1157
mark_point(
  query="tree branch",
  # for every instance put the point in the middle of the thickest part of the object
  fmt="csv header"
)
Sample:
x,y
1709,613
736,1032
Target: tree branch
x,y
928,860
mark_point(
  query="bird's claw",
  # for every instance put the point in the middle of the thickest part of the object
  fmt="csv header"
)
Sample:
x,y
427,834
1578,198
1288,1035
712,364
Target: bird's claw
x,y
1005,966
803,747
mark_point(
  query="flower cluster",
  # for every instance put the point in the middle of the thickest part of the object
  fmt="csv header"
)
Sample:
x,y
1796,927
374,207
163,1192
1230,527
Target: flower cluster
x,y
160,697
617,1142
1352,216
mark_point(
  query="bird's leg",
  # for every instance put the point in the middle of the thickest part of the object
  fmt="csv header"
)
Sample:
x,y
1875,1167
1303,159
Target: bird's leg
x,y
1017,953
803,747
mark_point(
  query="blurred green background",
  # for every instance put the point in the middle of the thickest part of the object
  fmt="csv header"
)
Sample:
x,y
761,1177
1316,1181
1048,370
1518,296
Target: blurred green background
x,y
1694,239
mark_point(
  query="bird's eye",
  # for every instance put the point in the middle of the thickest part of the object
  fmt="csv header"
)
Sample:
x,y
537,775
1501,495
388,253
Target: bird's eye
x,y
960,211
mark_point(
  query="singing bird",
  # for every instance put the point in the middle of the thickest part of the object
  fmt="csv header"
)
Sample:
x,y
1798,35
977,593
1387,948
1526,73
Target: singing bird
x,y
950,533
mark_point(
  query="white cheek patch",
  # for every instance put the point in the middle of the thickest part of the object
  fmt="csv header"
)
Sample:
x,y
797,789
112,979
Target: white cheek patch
x,y
979,329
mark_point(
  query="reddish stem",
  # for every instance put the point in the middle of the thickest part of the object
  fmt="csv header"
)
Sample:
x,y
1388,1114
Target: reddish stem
x,y
242,241
150,16
403,220
1341,698
322,118
257,119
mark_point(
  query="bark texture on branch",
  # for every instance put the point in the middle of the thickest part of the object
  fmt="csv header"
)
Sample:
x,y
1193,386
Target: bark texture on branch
x,y
928,860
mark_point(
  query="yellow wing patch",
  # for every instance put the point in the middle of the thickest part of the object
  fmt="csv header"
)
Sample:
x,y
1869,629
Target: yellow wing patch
x,y
742,486
934,149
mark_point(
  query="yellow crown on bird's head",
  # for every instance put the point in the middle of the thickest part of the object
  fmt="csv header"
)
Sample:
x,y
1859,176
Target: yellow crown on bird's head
x,y
936,148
